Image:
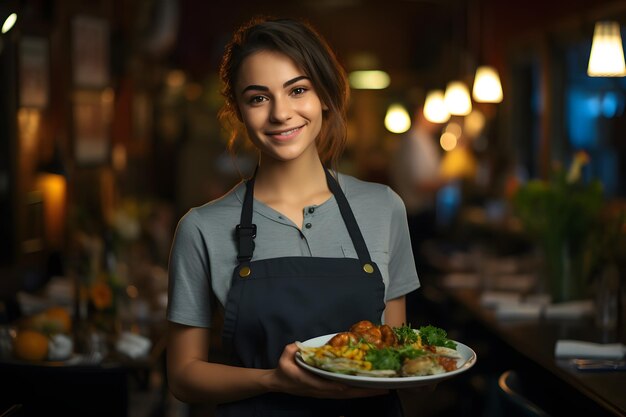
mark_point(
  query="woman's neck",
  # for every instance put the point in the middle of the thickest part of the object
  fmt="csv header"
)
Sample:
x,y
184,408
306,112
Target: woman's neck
x,y
292,182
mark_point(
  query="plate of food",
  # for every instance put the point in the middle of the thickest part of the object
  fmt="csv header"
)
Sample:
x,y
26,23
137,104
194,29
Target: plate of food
x,y
380,356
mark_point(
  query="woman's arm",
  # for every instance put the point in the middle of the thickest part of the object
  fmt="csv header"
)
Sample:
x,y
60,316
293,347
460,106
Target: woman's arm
x,y
194,380
395,312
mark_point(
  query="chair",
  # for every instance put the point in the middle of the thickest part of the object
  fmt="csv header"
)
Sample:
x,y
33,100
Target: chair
x,y
513,400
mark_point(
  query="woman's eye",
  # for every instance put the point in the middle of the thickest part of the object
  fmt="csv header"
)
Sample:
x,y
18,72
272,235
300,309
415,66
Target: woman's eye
x,y
298,90
257,99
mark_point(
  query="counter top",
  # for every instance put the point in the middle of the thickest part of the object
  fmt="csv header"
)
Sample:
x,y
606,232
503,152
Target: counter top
x,y
533,341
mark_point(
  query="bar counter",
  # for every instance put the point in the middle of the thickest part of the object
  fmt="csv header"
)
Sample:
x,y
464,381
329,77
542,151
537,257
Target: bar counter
x,y
526,346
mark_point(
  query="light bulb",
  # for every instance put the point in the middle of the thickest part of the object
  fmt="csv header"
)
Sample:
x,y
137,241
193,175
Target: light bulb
x,y
397,119
9,22
607,54
435,109
487,87
457,99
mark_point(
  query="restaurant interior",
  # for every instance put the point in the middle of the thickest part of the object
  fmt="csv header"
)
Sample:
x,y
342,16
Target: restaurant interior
x,y
109,134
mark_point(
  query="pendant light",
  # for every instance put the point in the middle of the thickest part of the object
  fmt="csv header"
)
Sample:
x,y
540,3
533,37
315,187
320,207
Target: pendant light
x,y
457,98
607,54
487,87
397,119
9,22
435,109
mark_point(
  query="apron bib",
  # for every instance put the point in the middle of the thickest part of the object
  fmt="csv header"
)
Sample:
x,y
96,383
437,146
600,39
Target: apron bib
x,y
274,302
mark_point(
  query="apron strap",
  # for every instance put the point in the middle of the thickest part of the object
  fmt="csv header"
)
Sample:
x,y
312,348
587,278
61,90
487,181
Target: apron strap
x,y
246,231
348,218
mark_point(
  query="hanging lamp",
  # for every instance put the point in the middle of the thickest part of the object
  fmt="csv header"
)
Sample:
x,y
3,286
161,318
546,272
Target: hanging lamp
x,y
457,98
607,54
487,87
435,109
397,119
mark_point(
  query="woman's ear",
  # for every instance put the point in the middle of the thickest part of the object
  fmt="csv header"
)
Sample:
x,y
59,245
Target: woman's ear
x,y
324,107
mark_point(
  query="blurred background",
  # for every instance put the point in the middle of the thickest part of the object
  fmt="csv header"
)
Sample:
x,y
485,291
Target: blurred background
x,y
109,134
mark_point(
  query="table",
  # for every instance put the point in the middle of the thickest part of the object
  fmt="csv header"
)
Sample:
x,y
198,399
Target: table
x,y
80,387
528,347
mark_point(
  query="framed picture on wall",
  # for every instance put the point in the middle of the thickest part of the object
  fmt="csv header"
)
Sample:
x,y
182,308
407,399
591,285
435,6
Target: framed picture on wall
x,y
90,52
91,121
33,72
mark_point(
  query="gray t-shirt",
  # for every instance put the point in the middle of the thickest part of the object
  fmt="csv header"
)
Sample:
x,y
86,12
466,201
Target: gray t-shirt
x,y
204,253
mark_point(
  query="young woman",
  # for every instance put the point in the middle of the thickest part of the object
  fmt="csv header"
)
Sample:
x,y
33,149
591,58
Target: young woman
x,y
296,251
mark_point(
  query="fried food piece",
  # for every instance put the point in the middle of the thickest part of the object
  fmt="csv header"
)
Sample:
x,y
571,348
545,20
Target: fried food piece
x,y
388,336
380,336
343,339
362,326
372,335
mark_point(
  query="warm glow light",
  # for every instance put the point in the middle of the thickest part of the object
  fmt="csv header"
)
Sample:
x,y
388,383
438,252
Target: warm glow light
x,y
53,189
397,119
457,98
474,123
435,109
448,141
458,163
369,80
487,87
9,22
607,54
176,79
454,128
118,157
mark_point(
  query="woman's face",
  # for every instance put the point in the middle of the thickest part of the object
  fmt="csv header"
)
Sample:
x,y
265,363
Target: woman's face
x,y
279,107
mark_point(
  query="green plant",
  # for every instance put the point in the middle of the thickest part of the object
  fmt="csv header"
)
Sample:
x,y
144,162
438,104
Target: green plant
x,y
561,214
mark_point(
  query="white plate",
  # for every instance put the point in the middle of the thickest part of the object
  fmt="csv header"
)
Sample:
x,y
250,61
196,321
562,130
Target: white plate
x,y
468,359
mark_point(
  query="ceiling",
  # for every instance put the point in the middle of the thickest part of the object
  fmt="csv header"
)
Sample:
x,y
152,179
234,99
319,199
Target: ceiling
x,y
425,39
397,34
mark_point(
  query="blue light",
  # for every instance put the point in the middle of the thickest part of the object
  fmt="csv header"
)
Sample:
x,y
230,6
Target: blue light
x,y
448,203
612,104
584,109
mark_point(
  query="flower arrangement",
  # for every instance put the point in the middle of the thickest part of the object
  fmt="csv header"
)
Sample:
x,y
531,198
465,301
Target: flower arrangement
x,y
560,213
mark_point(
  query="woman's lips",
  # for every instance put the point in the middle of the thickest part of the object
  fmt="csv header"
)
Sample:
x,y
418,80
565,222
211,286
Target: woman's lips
x,y
285,135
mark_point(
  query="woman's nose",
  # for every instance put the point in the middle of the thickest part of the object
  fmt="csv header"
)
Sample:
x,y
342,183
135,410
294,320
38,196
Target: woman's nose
x,y
281,110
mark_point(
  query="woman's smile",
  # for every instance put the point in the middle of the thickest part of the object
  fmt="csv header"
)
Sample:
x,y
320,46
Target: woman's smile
x,y
285,135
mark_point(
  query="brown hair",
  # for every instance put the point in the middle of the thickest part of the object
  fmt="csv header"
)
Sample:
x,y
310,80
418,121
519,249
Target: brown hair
x,y
306,47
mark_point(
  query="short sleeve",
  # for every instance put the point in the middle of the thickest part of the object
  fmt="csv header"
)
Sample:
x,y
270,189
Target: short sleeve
x,y
189,275
402,271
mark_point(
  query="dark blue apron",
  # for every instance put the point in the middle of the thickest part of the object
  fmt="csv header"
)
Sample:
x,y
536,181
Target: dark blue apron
x,y
274,302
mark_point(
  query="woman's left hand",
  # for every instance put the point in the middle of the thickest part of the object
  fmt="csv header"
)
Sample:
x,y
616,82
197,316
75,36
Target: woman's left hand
x,y
289,377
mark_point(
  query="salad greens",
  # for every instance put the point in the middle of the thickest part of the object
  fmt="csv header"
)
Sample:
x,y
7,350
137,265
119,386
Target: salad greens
x,y
435,336
390,357
405,334
430,334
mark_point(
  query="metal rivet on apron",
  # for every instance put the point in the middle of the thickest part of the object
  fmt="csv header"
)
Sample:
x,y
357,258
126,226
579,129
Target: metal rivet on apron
x,y
244,272
368,268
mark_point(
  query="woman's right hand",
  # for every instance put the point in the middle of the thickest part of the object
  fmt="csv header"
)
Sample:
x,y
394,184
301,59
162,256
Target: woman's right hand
x,y
290,378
